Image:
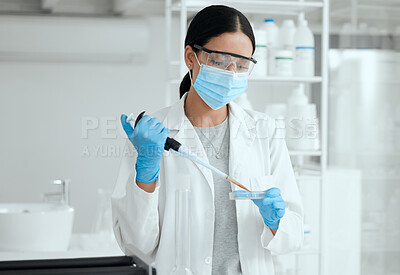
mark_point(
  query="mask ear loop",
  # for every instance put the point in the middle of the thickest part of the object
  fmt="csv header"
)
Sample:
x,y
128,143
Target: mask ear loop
x,y
190,75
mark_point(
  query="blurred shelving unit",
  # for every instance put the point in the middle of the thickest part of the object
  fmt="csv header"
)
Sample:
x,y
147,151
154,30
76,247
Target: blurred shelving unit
x,y
185,9
282,79
256,7
383,10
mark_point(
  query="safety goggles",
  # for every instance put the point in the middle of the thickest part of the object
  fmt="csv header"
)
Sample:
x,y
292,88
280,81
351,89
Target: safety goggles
x,y
224,60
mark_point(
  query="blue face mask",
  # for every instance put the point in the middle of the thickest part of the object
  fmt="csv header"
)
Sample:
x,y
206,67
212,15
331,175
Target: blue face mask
x,y
218,87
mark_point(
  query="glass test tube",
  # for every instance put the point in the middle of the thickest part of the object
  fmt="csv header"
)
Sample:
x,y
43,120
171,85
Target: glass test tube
x,y
182,227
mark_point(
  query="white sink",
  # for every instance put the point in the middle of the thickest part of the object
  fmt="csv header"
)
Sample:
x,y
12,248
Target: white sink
x,y
35,226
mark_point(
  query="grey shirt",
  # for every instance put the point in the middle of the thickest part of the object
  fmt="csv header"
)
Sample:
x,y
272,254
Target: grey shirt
x,y
225,249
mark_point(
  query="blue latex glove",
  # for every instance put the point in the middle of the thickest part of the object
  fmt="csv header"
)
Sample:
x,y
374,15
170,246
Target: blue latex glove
x,y
272,208
149,138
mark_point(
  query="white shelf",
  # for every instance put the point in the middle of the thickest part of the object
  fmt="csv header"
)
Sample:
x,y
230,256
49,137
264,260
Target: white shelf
x,y
374,12
310,153
256,7
285,79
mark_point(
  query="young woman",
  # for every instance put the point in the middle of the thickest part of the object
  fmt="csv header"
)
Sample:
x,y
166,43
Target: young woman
x,y
227,237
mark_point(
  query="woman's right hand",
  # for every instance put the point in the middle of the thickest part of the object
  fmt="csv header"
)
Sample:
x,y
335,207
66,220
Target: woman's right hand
x,y
148,137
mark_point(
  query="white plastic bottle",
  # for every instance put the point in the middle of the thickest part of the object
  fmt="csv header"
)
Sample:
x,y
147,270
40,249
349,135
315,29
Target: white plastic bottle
x,y
304,50
283,63
298,96
260,54
272,32
286,35
302,122
272,36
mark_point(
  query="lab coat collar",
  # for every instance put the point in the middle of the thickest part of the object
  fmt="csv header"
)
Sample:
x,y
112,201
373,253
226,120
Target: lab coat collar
x,y
176,118
182,129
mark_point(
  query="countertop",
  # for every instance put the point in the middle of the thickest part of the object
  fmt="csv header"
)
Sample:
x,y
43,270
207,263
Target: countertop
x,y
81,245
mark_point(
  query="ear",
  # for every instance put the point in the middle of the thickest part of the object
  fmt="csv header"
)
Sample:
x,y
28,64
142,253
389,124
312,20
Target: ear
x,y
190,59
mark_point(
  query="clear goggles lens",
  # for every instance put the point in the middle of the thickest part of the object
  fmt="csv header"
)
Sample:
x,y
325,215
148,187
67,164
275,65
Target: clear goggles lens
x,y
226,62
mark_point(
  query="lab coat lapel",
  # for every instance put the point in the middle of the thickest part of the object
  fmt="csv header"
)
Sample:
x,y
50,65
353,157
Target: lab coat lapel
x,y
183,131
242,135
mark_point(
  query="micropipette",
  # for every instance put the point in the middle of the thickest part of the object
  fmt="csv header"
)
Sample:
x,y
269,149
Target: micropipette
x,y
180,150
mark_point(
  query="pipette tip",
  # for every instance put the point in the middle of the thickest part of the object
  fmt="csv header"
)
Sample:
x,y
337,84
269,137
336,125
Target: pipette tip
x,y
236,183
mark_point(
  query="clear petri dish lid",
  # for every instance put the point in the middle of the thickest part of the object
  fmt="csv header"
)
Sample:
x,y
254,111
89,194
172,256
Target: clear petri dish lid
x,y
245,195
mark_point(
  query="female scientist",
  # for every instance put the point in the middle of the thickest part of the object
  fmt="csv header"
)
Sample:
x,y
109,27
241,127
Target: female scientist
x,y
227,236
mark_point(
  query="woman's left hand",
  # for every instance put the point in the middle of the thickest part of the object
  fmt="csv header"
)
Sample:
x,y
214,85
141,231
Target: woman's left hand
x,y
272,208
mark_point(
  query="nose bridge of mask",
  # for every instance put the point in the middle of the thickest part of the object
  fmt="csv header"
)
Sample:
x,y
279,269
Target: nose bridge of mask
x,y
231,74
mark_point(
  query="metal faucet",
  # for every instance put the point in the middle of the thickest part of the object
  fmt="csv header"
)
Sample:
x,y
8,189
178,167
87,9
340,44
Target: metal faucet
x,y
62,196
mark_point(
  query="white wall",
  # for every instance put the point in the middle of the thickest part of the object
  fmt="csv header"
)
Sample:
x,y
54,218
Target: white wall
x,y
43,108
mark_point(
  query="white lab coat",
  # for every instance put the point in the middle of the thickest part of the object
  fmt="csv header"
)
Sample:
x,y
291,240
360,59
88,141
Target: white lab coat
x,y
144,223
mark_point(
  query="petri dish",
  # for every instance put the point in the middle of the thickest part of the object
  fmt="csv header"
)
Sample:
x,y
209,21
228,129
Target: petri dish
x,y
244,195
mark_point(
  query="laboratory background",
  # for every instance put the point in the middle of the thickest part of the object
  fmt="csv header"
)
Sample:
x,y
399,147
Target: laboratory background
x,y
327,71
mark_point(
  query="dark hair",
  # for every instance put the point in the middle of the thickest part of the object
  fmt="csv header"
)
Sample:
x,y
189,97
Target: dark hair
x,y
211,22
